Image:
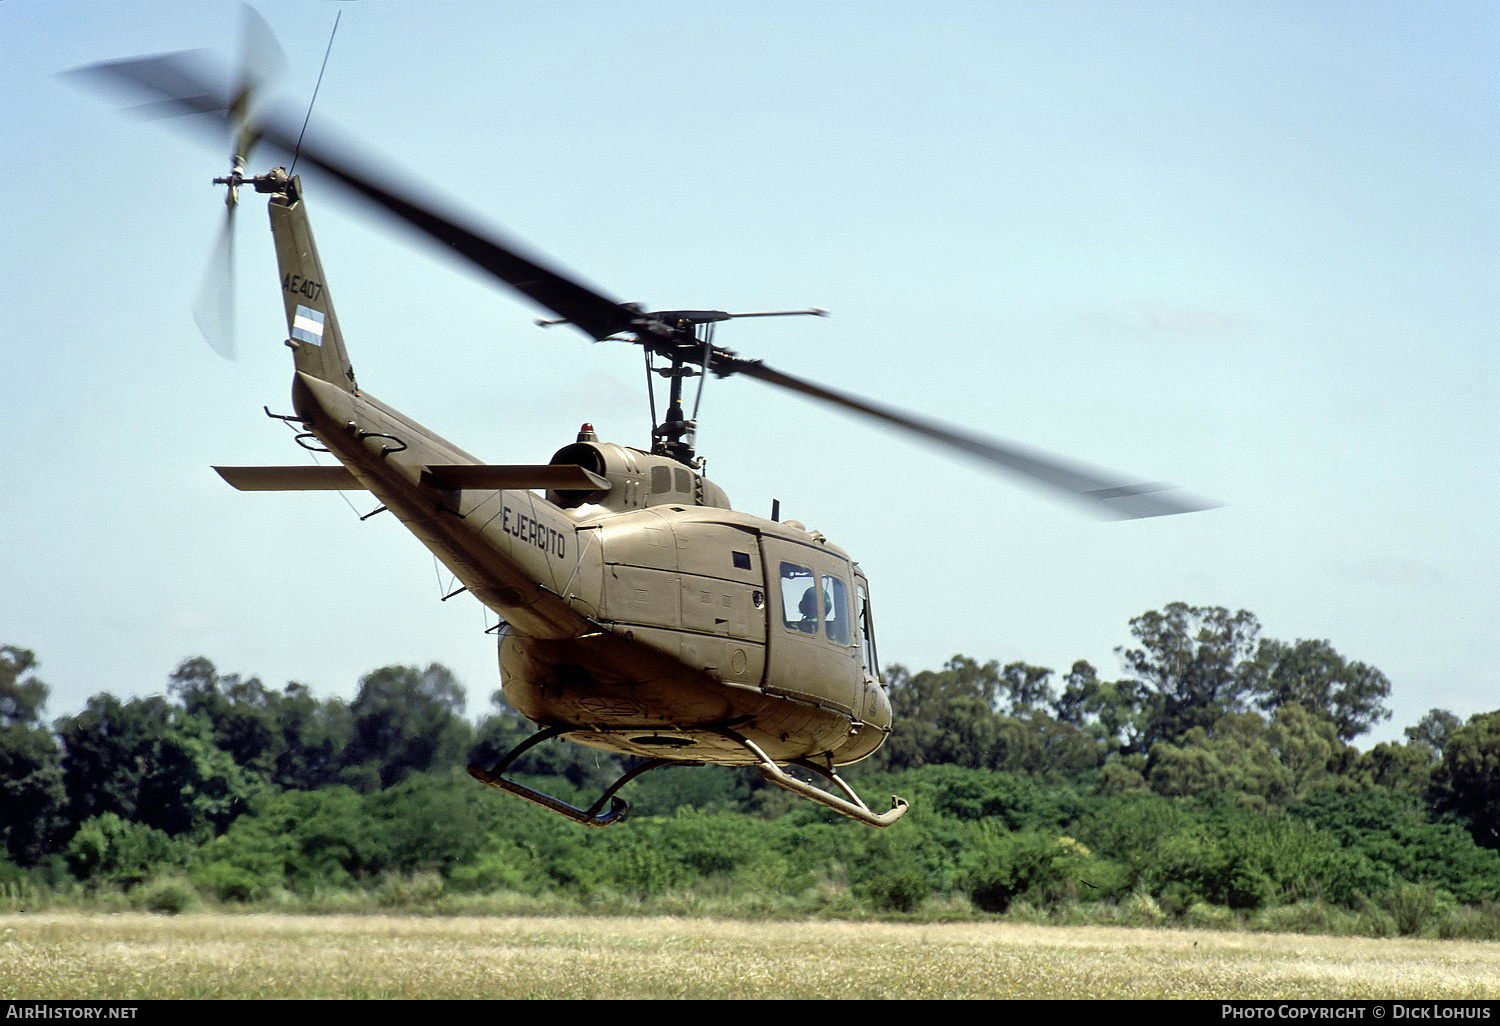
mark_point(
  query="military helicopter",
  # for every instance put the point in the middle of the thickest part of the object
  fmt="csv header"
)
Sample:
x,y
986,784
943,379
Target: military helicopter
x,y
640,613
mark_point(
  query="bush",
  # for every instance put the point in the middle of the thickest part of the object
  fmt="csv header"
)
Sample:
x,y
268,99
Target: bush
x,y
1222,854
166,896
1203,916
1411,905
1391,831
1000,867
500,865
419,890
1467,922
899,890
1141,909
1307,917
633,865
230,882
1375,921
107,849
1006,799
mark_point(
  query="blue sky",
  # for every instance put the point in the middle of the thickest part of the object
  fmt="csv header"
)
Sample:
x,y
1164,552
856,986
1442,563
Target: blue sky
x,y
1249,248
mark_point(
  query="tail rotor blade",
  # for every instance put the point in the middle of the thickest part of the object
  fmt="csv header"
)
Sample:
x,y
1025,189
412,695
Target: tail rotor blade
x,y
213,309
261,62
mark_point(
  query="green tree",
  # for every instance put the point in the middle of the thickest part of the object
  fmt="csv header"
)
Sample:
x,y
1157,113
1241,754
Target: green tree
x,y
290,737
1113,712
1434,730
31,783
314,735
1194,664
1026,688
150,762
1406,768
1255,761
22,693
1467,781
106,749
1309,746
241,713
1235,758
406,720
944,716
984,717
1310,674
1055,749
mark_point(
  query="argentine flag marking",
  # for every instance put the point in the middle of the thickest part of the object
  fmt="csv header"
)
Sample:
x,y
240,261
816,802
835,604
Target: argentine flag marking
x,y
307,326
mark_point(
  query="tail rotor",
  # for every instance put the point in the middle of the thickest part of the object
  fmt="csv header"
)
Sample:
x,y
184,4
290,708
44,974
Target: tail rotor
x,y
261,61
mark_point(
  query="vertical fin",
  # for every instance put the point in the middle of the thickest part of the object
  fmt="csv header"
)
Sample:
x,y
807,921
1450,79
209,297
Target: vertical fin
x,y
312,326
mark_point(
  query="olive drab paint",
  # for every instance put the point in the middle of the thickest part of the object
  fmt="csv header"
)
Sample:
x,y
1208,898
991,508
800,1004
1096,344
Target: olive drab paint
x,y
642,614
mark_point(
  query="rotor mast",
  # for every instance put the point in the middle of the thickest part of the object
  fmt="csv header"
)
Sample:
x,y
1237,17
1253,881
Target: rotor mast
x,y
685,339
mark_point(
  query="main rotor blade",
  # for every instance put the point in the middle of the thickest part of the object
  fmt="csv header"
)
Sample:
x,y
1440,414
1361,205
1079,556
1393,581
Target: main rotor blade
x,y
180,83
596,315
1106,495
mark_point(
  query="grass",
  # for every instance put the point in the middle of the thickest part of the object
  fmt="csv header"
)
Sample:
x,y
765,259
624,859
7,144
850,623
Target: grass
x,y
141,956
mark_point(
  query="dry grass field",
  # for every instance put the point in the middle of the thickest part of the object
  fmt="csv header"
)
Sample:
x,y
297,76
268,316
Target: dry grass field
x,y
124,956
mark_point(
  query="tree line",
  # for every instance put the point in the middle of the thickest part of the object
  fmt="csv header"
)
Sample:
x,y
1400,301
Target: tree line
x,y
1217,771
1207,706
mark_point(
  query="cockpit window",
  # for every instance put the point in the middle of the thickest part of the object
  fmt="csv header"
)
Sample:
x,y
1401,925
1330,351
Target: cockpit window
x,y
867,631
836,609
799,598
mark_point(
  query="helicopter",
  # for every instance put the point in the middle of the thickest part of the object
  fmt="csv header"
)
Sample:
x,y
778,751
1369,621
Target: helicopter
x,y
640,613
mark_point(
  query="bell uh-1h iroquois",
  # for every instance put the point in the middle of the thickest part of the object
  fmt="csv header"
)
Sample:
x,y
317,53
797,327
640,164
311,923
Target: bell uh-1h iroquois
x,y
641,614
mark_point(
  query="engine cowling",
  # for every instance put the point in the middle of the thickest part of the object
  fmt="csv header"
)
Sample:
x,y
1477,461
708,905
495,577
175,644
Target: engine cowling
x,y
637,479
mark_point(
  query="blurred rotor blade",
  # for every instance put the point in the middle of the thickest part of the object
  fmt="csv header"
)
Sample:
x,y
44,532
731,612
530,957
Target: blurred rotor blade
x,y
213,309
595,314
261,61
261,57
1106,495
181,83
177,83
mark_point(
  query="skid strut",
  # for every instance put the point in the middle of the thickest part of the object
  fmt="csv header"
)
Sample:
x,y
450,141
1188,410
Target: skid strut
x,y
852,806
594,815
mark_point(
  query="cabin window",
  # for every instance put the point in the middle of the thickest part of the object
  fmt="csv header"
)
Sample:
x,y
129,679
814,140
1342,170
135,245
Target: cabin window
x,y
836,609
741,560
799,598
661,480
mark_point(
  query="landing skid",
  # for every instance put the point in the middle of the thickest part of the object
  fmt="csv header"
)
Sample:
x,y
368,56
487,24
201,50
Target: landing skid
x,y
596,816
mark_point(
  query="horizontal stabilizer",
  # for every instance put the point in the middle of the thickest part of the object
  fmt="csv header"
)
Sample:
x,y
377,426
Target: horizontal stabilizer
x,y
476,477
291,479
485,477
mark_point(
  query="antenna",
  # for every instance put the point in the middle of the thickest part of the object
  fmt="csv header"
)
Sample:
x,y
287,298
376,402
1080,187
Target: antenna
x,y
316,86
